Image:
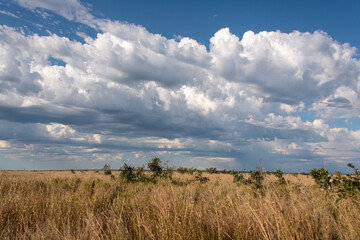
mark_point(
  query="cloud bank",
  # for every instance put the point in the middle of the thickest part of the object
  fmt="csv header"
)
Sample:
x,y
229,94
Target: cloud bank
x,y
128,94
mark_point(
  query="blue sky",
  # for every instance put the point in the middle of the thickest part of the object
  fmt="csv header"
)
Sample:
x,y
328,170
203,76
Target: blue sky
x,y
199,83
201,19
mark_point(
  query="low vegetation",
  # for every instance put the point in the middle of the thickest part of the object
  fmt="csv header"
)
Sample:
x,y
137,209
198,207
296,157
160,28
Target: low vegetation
x,y
187,204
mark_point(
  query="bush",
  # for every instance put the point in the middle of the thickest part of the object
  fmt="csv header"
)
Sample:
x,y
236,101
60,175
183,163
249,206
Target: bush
x,y
167,172
279,174
128,173
140,175
347,186
107,169
158,170
238,178
155,167
257,178
182,170
211,170
321,177
200,178
356,171
191,171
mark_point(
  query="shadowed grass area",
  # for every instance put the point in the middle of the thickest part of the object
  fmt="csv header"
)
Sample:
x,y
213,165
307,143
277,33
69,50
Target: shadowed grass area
x,y
90,205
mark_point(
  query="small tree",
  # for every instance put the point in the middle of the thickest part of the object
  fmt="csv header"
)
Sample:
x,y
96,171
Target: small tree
x,y
350,165
107,169
348,186
158,170
191,170
257,177
279,174
199,177
155,167
182,170
211,170
128,173
238,178
321,177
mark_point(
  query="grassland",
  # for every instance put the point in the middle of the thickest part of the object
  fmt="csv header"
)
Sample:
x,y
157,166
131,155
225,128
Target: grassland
x,y
91,205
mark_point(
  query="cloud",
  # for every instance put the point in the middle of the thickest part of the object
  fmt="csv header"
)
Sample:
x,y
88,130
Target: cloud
x,y
132,91
69,9
8,13
4,144
285,67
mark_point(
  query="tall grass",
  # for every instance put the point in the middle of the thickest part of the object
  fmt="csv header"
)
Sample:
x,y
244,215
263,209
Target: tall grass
x,y
89,205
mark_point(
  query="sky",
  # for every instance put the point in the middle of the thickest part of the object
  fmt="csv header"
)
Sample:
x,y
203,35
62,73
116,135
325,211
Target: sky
x,y
230,84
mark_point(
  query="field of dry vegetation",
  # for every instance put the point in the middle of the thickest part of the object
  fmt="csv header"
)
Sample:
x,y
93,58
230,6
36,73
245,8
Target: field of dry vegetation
x,y
92,205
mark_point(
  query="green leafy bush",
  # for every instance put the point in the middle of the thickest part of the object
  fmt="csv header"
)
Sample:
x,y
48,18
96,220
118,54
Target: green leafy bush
x,y
279,174
182,170
238,178
158,169
107,169
155,167
211,170
347,186
257,178
321,177
199,177
128,173
191,170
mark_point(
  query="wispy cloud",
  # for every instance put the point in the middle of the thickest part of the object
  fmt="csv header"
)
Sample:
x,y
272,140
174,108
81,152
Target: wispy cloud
x,y
8,13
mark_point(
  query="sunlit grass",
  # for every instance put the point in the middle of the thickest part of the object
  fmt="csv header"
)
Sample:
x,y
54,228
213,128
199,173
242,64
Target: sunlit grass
x,y
90,205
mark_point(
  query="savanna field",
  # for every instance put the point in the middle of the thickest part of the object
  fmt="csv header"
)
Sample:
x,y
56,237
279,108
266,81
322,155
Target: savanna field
x,y
188,204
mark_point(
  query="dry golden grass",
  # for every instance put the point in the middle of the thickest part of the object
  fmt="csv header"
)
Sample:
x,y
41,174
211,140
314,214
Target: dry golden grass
x,y
89,205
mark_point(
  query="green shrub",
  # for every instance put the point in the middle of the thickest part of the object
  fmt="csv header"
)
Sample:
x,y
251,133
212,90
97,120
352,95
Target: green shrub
x,y
191,170
199,177
321,177
238,178
167,172
257,178
356,171
211,170
182,170
347,186
128,173
107,169
279,174
155,167
158,170
140,175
